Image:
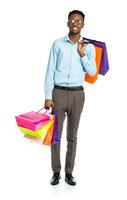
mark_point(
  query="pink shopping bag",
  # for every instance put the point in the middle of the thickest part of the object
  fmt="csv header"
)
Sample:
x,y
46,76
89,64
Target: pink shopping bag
x,y
33,120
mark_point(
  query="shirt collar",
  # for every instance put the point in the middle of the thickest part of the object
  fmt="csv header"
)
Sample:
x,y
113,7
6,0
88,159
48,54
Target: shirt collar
x,y
67,39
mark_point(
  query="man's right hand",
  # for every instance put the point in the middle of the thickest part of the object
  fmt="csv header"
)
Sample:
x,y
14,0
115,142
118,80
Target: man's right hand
x,y
48,103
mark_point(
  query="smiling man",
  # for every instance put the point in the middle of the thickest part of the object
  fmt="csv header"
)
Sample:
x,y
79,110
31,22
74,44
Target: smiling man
x,y
70,57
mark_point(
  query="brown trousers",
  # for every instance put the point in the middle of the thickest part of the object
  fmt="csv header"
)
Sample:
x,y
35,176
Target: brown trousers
x,y
68,103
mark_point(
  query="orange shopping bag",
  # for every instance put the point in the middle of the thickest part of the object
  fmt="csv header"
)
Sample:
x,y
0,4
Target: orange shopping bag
x,y
49,135
92,79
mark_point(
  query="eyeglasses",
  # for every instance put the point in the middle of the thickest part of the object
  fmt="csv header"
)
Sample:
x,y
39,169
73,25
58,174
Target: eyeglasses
x,y
72,21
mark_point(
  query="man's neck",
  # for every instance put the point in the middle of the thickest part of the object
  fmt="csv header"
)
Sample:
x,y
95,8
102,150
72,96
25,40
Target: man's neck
x,y
74,37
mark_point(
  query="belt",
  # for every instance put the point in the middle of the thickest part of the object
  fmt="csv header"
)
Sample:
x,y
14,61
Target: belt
x,y
75,88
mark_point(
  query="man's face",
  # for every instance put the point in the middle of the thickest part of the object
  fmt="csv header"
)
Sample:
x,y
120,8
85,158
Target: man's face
x,y
75,23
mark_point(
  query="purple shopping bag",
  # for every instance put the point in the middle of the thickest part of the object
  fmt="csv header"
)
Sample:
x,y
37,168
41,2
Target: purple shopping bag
x,y
104,65
55,138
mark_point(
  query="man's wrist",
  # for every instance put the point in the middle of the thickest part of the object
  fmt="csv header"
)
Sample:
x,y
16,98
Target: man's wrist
x,y
82,55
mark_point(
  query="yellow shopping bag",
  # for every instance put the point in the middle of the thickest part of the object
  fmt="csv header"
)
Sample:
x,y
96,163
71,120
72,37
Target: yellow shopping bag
x,y
40,134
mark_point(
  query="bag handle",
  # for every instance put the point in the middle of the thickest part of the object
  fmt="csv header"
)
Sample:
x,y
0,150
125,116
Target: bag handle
x,y
46,111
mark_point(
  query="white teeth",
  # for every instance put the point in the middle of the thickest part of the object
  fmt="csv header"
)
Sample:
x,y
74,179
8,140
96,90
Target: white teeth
x,y
74,28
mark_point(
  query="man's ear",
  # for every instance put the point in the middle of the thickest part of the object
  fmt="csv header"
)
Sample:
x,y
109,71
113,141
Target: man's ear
x,y
67,24
83,24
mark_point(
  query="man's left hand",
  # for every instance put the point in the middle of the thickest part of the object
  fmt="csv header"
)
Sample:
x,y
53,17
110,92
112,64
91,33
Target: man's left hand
x,y
81,48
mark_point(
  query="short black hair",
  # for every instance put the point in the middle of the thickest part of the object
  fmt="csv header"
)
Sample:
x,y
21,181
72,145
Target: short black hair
x,y
77,12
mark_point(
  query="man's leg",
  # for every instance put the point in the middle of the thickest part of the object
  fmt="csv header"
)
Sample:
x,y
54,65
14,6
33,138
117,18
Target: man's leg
x,y
60,102
75,106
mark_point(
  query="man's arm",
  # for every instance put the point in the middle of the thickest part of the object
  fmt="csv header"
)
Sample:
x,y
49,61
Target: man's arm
x,y
49,77
88,59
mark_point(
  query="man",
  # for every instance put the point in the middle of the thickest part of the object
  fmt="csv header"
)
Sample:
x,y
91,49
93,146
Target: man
x,y
69,58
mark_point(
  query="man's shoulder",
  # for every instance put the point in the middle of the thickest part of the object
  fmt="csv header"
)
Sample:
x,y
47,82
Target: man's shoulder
x,y
59,40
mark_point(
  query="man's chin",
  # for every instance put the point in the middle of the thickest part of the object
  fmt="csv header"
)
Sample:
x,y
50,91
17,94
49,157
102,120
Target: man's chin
x,y
74,32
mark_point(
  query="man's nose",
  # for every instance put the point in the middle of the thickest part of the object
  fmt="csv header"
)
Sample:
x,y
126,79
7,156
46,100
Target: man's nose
x,y
75,23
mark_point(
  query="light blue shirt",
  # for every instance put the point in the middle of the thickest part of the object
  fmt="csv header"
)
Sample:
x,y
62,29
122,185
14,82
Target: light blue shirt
x,y
66,67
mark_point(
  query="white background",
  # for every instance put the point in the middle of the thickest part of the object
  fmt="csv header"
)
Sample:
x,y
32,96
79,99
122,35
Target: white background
x,y
27,30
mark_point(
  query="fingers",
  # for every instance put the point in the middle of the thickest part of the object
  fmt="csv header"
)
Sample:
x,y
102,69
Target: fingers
x,y
46,107
82,46
48,104
84,41
52,104
79,45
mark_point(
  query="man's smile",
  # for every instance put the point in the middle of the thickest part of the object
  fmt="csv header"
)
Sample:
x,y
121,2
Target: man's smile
x,y
74,28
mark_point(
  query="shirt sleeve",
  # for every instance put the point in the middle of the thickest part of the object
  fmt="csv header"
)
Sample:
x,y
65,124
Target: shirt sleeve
x,y
88,61
49,77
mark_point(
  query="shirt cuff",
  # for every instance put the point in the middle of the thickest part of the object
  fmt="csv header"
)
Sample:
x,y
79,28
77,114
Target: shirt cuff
x,y
48,94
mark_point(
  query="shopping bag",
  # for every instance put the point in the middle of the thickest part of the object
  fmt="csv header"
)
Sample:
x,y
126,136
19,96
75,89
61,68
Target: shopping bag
x,y
40,133
32,120
47,134
55,138
92,79
52,136
104,64
46,138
